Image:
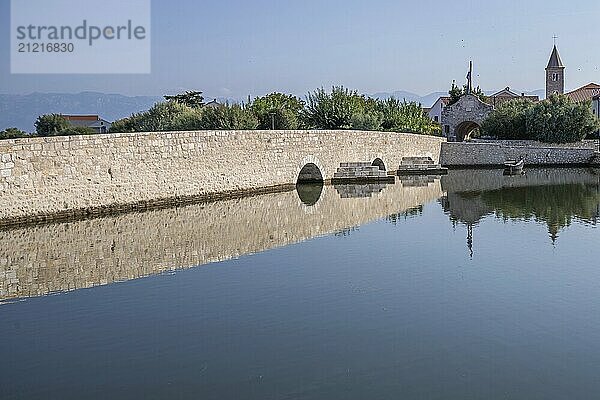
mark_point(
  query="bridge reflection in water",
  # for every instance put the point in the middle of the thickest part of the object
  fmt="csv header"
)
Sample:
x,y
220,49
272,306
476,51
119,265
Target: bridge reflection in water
x,y
43,259
39,260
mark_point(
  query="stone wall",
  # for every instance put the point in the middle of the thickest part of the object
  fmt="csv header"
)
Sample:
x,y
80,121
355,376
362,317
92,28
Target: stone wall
x,y
495,154
47,258
63,176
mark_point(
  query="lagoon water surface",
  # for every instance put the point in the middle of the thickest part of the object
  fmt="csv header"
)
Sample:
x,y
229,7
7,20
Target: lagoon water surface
x,y
471,286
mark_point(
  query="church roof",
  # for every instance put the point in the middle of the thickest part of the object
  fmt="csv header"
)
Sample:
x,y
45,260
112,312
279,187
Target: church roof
x,y
555,61
505,92
584,93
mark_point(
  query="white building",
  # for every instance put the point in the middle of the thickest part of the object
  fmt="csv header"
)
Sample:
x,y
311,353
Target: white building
x,y
435,112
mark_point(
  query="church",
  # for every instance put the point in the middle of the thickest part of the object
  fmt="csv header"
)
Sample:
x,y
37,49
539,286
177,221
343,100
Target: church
x,y
555,81
460,119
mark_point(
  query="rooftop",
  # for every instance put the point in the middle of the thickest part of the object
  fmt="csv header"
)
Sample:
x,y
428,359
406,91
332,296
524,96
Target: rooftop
x,y
584,93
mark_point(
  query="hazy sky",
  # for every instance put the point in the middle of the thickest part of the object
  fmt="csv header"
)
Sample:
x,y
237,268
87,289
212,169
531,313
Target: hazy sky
x,y
235,48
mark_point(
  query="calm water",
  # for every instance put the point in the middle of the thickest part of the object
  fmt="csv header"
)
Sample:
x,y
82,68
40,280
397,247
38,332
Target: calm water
x,y
475,286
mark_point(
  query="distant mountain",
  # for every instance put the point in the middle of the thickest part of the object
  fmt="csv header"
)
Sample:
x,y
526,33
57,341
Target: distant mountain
x,y
21,111
426,101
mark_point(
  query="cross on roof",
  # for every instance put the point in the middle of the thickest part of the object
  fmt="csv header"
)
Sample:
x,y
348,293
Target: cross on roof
x,y
555,37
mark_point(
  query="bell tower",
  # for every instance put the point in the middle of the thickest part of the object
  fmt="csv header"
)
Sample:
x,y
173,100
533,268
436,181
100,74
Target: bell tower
x,y
555,74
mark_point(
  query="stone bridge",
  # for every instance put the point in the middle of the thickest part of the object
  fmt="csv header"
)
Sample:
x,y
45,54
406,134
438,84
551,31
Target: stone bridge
x,y
64,176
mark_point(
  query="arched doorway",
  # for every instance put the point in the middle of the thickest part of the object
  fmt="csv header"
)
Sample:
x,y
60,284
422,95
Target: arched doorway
x,y
465,130
310,173
378,162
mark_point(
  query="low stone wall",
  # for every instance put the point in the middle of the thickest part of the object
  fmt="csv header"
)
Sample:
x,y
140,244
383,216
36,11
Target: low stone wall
x,y
584,144
63,176
466,154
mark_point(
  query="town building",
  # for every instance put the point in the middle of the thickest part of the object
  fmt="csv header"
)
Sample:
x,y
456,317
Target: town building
x,y
585,93
506,94
435,112
99,125
212,104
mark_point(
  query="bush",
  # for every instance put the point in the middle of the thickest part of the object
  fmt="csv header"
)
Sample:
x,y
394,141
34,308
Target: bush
x,y
278,109
509,120
366,121
402,116
333,110
13,133
226,117
160,117
555,120
51,125
560,120
77,130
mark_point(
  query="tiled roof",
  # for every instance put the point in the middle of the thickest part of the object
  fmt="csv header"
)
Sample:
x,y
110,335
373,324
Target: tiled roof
x,y
584,93
82,117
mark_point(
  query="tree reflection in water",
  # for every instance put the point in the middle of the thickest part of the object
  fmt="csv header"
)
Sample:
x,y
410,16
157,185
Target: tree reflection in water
x,y
556,206
550,198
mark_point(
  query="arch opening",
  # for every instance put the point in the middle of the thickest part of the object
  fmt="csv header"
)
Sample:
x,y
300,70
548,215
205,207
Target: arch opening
x,y
465,130
378,162
309,193
310,173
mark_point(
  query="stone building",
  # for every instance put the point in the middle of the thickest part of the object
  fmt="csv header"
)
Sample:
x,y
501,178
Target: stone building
x,y
460,119
555,74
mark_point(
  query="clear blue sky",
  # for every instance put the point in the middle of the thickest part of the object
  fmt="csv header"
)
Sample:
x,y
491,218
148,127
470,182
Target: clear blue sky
x,y
235,48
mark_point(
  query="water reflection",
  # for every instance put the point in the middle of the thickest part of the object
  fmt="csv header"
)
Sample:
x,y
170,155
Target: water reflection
x,y
309,193
555,197
65,256
348,191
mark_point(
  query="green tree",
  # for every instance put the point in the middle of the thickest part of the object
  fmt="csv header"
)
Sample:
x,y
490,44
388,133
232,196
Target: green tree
x,y
366,121
77,130
51,124
13,133
560,120
226,117
278,109
402,116
333,110
190,98
508,120
456,93
160,117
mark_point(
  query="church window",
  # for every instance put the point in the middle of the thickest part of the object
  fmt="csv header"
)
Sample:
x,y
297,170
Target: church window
x,y
555,76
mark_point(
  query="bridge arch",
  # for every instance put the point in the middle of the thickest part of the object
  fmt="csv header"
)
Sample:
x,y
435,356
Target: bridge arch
x,y
379,163
310,172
